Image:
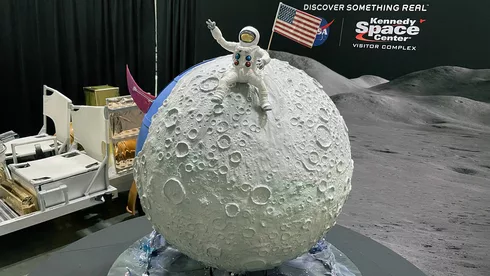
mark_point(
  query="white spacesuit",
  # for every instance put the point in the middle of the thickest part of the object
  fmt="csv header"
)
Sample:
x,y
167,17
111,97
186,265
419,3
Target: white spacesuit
x,y
248,60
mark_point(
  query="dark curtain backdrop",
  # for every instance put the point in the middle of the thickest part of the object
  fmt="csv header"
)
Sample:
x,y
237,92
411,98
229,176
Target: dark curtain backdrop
x,y
69,44
176,38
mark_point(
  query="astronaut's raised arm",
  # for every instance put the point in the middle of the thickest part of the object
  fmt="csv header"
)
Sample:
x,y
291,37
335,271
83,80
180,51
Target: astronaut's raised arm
x,y
229,46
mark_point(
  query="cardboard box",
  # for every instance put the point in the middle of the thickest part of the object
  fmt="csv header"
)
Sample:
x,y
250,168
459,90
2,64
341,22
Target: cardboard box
x,y
97,95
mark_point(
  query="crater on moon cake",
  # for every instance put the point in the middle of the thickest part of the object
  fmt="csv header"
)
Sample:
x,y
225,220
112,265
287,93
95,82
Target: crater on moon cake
x,y
237,188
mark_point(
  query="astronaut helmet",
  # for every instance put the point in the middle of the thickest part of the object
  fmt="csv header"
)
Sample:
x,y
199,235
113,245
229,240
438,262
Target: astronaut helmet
x,y
249,36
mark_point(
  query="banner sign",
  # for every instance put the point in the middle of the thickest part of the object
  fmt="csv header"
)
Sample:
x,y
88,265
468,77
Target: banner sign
x,y
373,32
389,39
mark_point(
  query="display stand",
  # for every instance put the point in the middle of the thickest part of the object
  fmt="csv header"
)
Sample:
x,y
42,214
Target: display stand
x,y
90,130
31,219
95,254
152,255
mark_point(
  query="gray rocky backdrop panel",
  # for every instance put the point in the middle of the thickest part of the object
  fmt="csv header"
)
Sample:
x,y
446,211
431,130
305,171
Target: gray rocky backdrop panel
x,y
418,115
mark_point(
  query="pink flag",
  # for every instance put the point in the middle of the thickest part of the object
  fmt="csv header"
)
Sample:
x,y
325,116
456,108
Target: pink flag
x,y
142,99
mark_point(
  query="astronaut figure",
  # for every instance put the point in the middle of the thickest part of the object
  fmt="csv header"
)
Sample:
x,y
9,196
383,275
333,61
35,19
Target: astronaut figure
x,y
248,61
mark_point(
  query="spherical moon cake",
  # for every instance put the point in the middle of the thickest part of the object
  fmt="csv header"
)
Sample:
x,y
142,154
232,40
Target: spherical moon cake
x,y
237,188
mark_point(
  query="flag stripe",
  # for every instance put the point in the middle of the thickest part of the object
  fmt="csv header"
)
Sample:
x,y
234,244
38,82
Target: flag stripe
x,y
298,37
309,18
297,25
305,25
292,38
309,15
289,26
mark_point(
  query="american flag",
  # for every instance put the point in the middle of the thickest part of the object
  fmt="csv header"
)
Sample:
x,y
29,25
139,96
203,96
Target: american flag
x,y
296,25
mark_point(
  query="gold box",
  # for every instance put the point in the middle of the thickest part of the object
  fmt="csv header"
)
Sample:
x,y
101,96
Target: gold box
x,y
18,198
97,95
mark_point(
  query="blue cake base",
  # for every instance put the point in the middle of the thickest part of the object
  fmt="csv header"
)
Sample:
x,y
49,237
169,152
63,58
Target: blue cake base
x,y
153,256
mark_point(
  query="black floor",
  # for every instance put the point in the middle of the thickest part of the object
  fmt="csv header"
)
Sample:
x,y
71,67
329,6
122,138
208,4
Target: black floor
x,y
22,250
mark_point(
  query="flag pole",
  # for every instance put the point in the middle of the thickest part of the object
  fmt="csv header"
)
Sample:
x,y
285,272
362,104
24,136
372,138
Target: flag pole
x,y
274,26
270,41
156,49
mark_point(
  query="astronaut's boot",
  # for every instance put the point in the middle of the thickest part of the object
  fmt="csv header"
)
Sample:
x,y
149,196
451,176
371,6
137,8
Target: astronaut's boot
x,y
264,101
218,96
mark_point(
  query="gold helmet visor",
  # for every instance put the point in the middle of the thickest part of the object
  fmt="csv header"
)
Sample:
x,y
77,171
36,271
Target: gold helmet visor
x,y
247,36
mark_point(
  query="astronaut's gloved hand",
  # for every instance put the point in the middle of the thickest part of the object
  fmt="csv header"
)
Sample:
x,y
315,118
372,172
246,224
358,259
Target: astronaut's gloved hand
x,y
260,64
211,24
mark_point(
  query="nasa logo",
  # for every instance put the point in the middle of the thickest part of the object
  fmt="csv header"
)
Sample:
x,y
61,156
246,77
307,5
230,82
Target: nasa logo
x,y
323,32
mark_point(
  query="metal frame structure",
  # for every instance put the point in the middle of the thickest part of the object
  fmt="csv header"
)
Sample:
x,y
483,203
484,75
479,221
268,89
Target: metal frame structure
x,y
57,107
31,219
68,206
